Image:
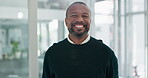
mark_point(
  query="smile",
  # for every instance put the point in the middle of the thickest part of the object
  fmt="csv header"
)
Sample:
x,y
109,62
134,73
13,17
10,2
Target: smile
x,y
79,26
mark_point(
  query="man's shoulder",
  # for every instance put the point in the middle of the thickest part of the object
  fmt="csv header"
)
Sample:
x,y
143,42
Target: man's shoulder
x,y
99,43
62,42
56,46
103,47
96,40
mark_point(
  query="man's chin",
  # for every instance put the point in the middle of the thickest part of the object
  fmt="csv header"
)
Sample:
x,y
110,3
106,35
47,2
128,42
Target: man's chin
x,y
79,34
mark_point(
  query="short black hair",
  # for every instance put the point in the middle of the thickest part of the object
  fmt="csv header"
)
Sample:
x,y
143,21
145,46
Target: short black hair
x,y
73,4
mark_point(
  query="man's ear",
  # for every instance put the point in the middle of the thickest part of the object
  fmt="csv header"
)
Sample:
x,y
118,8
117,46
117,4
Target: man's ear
x,y
66,21
90,20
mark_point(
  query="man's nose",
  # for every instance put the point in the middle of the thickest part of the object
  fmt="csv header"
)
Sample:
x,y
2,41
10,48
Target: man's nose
x,y
80,19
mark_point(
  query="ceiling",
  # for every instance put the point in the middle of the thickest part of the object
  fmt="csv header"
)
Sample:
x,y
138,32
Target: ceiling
x,y
48,4
43,4
57,4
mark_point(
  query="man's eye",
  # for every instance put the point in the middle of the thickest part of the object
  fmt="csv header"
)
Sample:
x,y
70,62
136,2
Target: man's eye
x,y
73,15
85,16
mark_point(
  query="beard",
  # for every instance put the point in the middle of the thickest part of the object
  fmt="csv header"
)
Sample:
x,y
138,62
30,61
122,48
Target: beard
x,y
78,32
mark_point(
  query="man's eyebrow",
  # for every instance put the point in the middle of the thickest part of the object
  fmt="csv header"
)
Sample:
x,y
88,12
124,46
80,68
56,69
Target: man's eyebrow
x,y
86,13
72,12
76,13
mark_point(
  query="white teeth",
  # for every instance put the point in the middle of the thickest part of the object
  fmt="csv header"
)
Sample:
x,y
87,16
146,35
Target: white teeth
x,y
79,26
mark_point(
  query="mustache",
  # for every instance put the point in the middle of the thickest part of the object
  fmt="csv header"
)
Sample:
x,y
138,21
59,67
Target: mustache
x,y
79,23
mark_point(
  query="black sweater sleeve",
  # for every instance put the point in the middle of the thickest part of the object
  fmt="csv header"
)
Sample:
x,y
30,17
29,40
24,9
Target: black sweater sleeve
x,y
115,67
46,70
47,73
112,69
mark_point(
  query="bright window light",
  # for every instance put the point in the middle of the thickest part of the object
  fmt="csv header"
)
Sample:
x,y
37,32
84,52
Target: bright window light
x,y
104,7
20,15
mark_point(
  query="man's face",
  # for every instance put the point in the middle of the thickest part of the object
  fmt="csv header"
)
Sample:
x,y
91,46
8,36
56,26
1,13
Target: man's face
x,y
78,20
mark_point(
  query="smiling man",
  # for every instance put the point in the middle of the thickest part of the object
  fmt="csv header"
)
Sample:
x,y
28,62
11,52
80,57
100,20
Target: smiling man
x,y
79,55
78,21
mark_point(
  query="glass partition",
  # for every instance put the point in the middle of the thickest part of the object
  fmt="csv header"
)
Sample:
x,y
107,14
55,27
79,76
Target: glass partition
x,y
138,64
104,21
14,39
137,5
132,23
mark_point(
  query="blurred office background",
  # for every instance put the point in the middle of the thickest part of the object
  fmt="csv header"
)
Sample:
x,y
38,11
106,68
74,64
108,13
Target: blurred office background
x,y
121,24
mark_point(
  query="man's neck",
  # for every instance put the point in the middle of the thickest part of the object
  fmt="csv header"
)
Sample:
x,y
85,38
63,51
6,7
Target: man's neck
x,y
77,40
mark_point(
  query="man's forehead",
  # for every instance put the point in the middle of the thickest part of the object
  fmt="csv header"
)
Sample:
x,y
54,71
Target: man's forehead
x,y
77,6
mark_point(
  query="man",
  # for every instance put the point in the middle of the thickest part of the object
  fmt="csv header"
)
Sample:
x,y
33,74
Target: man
x,y
79,55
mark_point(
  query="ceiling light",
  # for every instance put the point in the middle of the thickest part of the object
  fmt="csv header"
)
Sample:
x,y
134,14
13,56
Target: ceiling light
x,y
20,15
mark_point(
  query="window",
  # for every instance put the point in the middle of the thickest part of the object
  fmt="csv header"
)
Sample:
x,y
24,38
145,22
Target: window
x,y
14,39
132,30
